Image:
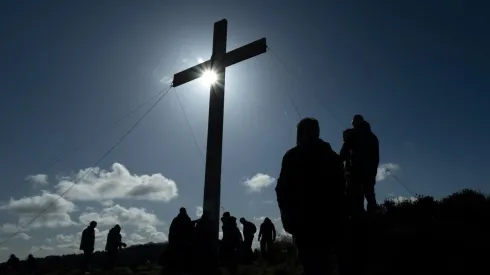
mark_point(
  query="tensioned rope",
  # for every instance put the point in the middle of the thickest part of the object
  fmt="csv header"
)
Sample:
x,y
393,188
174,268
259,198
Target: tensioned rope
x,y
118,142
189,126
288,70
107,126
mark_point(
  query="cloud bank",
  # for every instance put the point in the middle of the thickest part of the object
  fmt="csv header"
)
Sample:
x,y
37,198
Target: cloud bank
x,y
118,183
39,179
57,215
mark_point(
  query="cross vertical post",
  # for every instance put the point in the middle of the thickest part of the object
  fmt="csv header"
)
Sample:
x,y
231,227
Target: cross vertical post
x,y
212,177
220,59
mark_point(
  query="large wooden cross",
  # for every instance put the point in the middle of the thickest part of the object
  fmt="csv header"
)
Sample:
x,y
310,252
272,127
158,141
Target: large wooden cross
x,y
220,59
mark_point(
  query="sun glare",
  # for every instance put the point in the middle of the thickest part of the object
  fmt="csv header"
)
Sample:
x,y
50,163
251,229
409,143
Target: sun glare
x,y
209,77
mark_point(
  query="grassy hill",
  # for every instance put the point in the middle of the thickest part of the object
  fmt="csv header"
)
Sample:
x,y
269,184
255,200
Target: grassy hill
x,y
425,236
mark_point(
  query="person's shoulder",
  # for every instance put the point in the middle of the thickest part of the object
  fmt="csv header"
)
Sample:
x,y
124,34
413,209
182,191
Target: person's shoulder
x,y
326,147
325,144
291,153
347,133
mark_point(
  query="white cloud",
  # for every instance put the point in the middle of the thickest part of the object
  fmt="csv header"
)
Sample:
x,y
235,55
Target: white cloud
x,y
261,219
283,232
107,203
132,234
401,199
120,215
65,238
9,228
69,246
57,215
36,249
258,182
158,237
3,248
119,183
23,236
153,234
39,179
199,211
135,238
385,170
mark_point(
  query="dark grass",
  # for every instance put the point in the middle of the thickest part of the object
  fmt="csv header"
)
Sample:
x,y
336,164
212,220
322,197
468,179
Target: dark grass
x,y
426,236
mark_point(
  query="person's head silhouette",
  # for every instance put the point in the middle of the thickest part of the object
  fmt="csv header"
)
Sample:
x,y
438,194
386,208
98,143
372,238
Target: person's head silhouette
x,y
308,130
183,211
93,224
357,120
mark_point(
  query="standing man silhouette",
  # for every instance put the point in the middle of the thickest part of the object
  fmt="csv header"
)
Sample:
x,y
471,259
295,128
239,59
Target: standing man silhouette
x,y
312,185
87,244
360,152
267,235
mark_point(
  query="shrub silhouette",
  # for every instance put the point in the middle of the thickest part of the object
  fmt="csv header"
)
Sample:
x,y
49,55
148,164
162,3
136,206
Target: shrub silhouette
x,y
424,236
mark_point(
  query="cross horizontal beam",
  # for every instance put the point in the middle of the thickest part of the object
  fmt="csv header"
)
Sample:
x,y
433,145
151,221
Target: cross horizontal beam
x,y
235,56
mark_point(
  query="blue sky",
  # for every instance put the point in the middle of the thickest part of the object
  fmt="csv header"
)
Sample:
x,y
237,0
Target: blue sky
x,y
417,71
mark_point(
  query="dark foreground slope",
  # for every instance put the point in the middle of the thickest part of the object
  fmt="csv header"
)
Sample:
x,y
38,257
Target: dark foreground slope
x,y
426,236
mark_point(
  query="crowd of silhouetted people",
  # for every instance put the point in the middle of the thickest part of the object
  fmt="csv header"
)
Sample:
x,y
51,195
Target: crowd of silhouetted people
x,y
191,250
315,181
14,263
113,245
319,193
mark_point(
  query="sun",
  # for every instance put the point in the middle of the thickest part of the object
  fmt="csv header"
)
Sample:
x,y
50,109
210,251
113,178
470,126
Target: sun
x,y
209,77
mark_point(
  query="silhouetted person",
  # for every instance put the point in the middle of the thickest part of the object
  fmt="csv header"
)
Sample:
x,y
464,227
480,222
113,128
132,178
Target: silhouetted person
x,y
12,263
231,243
225,219
249,230
204,256
87,245
179,240
267,236
113,245
30,264
312,174
226,229
360,152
